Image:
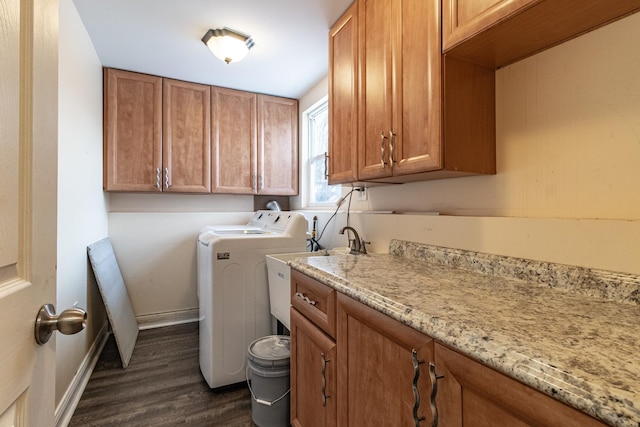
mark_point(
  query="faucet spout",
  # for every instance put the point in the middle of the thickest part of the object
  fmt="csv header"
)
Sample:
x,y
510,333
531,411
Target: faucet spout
x,y
355,245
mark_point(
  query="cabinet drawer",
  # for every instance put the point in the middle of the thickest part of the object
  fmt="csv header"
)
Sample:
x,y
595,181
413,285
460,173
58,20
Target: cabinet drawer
x,y
315,300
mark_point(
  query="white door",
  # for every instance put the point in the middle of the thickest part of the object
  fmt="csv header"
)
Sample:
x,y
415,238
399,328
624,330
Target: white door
x,y
28,174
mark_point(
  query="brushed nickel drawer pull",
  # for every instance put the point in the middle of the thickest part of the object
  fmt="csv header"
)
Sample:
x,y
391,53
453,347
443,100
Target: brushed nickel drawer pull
x,y
324,379
434,391
414,386
326,165
305,298
382,138
391,146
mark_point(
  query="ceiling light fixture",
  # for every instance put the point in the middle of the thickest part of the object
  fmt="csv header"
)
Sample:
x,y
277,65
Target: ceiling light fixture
x,y
228,45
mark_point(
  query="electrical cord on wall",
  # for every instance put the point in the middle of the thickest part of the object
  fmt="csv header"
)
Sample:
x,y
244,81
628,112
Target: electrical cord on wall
x,y
314,243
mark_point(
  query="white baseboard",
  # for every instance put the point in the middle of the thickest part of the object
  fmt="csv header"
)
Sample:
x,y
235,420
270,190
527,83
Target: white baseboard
x,y
72,396
167,318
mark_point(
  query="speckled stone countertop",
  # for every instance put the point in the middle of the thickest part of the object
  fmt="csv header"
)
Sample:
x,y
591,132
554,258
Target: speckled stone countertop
x,y
570,332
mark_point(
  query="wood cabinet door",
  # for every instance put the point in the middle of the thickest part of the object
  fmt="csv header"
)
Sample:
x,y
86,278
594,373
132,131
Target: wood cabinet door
x,y
277,146
186,150
376,371
313,374
133,131
462,19
233,134
417,143
473,395
376,21
343,98
400,81
494,33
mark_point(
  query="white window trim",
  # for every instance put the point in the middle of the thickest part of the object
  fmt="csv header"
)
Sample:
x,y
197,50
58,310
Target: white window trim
x,y
305,175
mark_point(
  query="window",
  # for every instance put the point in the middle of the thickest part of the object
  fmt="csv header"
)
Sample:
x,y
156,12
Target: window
x,y
319,191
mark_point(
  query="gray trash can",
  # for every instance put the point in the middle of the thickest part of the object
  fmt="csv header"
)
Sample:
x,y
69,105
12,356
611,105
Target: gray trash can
x,y
268,380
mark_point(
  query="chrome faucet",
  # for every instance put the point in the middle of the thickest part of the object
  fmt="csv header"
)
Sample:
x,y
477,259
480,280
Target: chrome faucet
x,y
357,245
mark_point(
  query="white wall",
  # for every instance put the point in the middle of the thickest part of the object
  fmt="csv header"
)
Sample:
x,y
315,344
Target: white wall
x,y
568,157
82,207
156,252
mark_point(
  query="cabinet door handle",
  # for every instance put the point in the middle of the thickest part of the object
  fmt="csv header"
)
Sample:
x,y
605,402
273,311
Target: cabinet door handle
x,y
392,140
434,391
261,182
158,178
166,178
324,379
382,138
305,298
254,185
414,386
326,165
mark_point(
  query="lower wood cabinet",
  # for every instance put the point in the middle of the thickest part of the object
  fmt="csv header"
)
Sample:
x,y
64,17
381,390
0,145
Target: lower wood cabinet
x,y
372,370
383,369
313,374
470,394
313,352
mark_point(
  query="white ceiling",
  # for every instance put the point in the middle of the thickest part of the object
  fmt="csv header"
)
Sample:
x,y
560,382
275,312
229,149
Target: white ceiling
x,y
163,37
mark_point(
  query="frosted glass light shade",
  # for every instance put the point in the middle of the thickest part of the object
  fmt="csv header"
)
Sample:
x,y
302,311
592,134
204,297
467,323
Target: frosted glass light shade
x,y
228,45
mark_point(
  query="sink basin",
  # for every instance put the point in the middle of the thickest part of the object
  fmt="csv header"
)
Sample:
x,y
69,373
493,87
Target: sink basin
x,y
279,275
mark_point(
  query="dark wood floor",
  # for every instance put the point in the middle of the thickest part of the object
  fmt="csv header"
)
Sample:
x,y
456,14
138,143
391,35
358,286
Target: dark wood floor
x,y
162,386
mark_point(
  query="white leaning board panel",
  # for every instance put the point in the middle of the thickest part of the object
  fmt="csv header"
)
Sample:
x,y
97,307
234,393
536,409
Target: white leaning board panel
x,y
114,295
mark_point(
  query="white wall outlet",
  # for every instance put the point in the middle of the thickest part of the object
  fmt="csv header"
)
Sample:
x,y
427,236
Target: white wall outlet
x,y
362,194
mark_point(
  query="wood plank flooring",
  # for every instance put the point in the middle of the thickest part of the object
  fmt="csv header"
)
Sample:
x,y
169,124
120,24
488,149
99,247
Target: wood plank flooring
x,y
162,386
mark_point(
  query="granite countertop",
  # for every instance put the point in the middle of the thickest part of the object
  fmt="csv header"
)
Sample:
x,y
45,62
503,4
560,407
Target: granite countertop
x,y
569,332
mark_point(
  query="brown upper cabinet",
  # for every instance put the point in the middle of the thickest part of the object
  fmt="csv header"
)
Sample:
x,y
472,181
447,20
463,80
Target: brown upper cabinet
x,y
234,143
494,33
419,116
342,162
156,134
186,147
400,101
277,146
425,102
255,143
132,131
175,136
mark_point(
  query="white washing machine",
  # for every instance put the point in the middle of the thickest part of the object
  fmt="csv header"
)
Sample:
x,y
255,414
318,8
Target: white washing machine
x,y
233,290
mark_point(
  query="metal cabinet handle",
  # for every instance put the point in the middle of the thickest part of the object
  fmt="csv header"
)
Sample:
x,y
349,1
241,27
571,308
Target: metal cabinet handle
x,y
326,165
382,138
254,182
434,391
69,322
392,141
166,178
261,182
324,379
305,298
414,386
158,178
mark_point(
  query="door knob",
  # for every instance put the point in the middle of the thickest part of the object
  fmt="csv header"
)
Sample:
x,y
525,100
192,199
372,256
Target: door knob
x,y
69,322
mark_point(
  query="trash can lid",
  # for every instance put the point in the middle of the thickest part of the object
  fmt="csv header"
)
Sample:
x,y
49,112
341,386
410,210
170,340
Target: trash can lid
x,y
270,350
